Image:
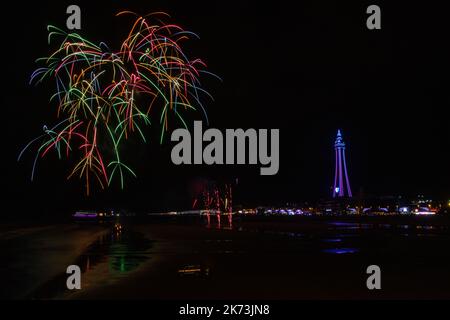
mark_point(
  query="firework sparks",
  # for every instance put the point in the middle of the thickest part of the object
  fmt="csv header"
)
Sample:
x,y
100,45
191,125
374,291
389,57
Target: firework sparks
x,y
105,97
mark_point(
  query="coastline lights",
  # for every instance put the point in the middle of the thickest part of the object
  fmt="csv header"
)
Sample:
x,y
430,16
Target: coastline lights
x,y
404,210
424,212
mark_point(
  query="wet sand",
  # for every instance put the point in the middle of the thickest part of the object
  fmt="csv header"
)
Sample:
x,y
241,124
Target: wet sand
x,y
286,259
32,255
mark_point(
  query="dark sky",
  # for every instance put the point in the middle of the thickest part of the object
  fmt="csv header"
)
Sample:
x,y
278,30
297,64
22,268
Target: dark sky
x,y
307,69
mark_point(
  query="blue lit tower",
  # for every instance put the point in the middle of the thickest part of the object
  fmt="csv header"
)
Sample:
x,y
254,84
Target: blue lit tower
x,y
340,170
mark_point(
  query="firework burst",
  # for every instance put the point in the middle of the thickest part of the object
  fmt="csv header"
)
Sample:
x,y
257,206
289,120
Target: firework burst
x,y
105,97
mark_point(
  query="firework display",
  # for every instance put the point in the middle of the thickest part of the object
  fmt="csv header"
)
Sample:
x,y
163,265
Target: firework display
x,y
105,98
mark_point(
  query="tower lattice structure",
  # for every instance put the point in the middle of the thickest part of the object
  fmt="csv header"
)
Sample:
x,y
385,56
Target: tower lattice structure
x,y
341,186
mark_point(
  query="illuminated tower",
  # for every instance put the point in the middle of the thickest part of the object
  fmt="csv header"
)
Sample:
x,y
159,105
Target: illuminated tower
x,y
340,170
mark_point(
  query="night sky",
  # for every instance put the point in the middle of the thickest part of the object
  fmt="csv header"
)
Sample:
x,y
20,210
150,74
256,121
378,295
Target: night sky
x,y
307,69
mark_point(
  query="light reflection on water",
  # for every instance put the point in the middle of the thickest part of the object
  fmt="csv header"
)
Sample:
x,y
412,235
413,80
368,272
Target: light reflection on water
x,y
332,240
347,235
194,270
341,250
110,258
122,251
349,226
